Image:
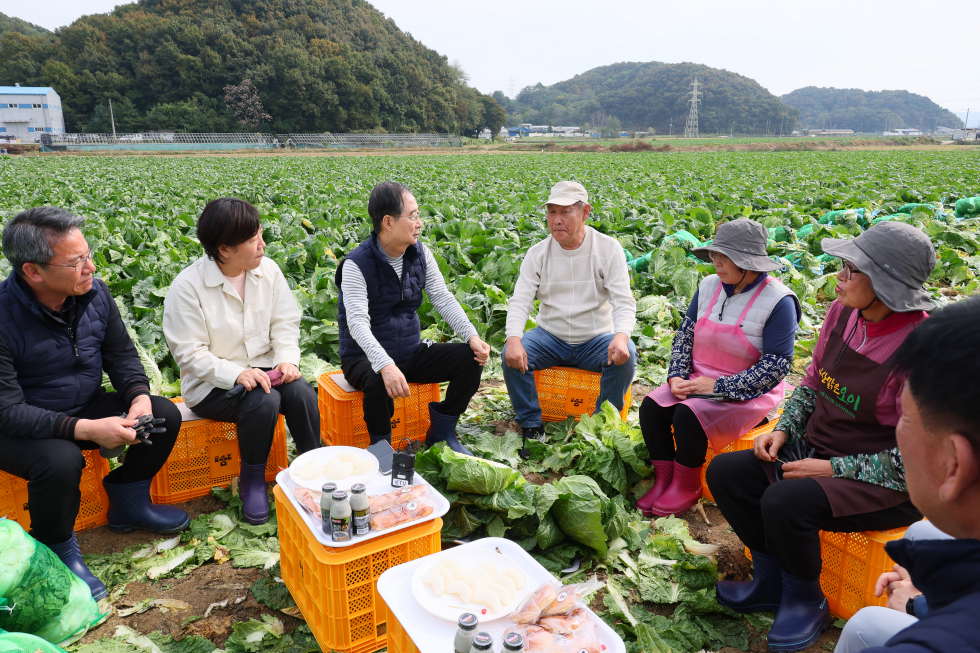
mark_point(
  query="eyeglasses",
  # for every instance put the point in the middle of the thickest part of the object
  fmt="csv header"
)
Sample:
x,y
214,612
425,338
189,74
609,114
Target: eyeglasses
x,y
717,256
74,266
849,271
415,215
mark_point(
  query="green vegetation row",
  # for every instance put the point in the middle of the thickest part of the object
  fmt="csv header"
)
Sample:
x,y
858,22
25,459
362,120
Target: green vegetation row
x,y
480,217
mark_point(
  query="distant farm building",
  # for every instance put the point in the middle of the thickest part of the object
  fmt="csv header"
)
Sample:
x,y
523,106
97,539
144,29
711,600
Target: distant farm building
x,y
905,131
26,112
966,135
831,132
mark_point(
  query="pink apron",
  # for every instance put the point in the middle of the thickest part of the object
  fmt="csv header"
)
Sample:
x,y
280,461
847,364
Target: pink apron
x,y
723,350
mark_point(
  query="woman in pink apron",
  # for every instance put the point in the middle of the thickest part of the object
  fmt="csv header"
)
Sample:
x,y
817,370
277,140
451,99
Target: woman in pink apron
x,y
730,356
832,463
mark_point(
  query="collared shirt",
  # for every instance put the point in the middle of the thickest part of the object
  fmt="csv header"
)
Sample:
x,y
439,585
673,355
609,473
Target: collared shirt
x,y
215,336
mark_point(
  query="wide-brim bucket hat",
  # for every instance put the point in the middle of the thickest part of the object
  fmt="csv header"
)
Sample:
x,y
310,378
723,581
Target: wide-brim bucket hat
x,y
744,242
898,259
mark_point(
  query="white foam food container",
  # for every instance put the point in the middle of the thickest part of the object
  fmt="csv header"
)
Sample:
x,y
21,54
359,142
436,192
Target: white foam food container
x,y
380,484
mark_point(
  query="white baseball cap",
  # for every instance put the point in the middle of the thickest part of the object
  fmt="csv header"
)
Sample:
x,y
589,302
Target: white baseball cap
x,y
566,193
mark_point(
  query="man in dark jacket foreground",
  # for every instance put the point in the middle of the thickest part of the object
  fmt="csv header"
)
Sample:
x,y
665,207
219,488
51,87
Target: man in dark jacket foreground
x,y
59,330
939,437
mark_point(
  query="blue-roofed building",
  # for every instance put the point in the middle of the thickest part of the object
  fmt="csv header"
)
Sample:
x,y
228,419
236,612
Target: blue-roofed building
x,y
27,112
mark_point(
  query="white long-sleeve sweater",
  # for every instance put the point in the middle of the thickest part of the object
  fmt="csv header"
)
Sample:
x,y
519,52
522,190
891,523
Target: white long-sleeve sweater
x,y
583,292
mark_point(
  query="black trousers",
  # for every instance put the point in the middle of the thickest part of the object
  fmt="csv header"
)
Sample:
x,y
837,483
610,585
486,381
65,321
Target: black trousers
x,y
784,518
53,467
692,441
255,417
429,364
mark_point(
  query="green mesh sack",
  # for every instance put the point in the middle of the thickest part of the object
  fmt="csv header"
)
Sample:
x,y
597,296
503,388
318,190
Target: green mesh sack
x,y
22,643
911,206
43,597
886,218
641,264
837,217
684,239
804,231
968,207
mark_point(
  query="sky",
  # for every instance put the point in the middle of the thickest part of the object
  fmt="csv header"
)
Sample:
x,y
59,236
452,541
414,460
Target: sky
x,y
872,44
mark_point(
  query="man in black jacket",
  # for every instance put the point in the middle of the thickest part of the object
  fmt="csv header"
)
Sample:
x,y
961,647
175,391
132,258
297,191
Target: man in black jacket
x,y
59,330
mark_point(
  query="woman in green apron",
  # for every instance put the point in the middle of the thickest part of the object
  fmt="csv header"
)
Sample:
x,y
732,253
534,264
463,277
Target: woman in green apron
x,y
832,462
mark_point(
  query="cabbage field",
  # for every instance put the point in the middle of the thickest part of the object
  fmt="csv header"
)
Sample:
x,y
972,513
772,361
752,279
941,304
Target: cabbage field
x,y
480,216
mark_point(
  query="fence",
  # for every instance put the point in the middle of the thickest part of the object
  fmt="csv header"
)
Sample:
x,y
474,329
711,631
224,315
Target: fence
x,y
162,141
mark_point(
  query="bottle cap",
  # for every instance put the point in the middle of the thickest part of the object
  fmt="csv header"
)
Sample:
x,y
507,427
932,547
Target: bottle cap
x,y
329,487
339,495
482,641
357,488
468,621
513,642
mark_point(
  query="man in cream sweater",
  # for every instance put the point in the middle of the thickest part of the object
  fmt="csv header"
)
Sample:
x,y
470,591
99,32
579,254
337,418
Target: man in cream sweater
x,y
586,312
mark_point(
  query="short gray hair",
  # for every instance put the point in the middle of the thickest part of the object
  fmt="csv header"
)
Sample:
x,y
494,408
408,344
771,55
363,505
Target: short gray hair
x,y
30,236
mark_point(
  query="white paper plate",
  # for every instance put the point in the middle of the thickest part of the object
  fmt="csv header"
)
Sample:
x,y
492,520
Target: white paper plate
x,y
450,606
324,455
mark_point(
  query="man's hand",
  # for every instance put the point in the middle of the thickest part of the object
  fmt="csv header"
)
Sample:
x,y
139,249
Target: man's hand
x,y
109,432
515,355
140,406
289,372
395,382
619,351
808,468
767,445
700,386
481,349
254,378
898,585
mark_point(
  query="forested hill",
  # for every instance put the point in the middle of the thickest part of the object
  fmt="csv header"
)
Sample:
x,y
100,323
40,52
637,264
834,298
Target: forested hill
x,y
11,24
318,65
642,95
868,111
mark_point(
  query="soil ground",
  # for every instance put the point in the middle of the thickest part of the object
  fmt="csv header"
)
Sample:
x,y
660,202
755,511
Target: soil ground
x,y
553,147
213,583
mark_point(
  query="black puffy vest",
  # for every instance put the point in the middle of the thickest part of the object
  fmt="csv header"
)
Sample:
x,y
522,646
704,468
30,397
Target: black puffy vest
x,y
392,305
54,372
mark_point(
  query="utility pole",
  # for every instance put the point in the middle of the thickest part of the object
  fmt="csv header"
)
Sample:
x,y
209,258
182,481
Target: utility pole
x,y
113,119
671,127
781,126
966,125
731,132
691,129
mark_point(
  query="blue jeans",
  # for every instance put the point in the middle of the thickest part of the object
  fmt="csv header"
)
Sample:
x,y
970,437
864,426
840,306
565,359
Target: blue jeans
x,y
545,350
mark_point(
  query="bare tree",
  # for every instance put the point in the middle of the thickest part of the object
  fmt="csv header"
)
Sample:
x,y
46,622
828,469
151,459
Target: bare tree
x,y
243,101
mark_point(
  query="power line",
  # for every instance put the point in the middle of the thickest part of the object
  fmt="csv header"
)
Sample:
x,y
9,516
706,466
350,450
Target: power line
x,y
691,129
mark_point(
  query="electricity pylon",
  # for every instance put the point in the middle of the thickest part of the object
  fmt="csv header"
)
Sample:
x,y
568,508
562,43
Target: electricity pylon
x,y
691,129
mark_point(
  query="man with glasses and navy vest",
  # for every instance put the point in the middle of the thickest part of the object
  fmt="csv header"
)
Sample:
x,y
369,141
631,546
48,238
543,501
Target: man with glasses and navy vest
x,y
59,331
381,283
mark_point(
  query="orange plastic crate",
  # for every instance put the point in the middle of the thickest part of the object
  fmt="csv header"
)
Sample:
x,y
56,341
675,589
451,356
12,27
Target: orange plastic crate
x,y
337,589
92,511
745,442
206,455
398,639
564,391
852,563
342,414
